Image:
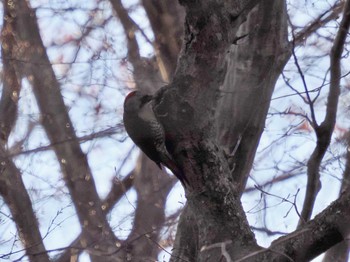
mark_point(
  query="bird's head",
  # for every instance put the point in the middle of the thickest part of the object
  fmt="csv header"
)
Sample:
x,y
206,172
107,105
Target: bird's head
x,y
135,100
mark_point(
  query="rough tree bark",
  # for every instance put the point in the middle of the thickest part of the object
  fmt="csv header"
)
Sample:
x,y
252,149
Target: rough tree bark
x,y
213,110
218,176
199,76
254,64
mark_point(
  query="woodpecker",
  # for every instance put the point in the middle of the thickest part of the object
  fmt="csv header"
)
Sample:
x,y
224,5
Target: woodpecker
x,y
147,132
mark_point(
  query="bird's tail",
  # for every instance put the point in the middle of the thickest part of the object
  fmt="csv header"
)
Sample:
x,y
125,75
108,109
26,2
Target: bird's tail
x,y
177,171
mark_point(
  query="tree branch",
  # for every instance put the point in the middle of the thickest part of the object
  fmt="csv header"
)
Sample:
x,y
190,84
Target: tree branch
x,y
146,72
166,18
341,250
319,22
12,188
152,187
16,197
119,188
98,235
247,90
313,238
11,81
325,129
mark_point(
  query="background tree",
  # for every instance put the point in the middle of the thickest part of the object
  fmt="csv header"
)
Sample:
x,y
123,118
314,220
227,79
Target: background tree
x,y
254,99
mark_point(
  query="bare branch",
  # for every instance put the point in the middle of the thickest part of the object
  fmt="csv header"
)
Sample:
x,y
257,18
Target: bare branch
x,y
283,199
273,181
341,250
148,75
325,129
118,190
129,29
324,231
166,18
319,22
16,197
11,81
12,188
346,174
100,134
309,101
152,187
58,127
